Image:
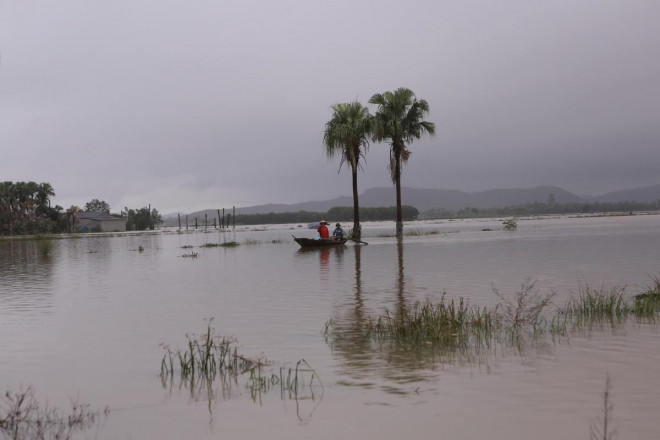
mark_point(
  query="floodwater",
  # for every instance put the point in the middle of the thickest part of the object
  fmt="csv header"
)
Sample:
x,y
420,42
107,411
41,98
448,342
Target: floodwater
x,y
85,320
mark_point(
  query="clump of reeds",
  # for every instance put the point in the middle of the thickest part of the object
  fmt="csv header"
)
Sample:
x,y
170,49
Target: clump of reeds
x,y
420,232
457,328
187,246
206,357
23,417
253,242
190,255
511,224
212,358
595,305
447,324
647,304
226,244
525,311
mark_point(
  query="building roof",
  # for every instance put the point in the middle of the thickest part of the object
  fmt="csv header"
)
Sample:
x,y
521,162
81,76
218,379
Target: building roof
x,y
100,216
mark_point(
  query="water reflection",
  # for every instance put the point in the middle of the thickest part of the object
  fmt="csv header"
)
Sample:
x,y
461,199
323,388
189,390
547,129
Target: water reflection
x,y
26,273
366,358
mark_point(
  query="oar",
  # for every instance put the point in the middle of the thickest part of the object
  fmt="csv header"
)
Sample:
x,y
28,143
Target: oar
x,y
358,241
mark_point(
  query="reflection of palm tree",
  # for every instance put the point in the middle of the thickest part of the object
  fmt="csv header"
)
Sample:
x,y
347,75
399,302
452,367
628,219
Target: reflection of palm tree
x,y
359,302
399,120
401,282
346,135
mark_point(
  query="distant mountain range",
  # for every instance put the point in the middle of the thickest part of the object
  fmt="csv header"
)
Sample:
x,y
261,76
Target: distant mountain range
x,y
424,199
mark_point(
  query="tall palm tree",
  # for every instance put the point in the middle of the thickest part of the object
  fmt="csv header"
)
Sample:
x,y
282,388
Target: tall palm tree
x,y
347,135
399,120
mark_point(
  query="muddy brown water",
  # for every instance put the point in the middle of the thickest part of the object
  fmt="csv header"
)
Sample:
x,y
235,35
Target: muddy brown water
x,y
85,321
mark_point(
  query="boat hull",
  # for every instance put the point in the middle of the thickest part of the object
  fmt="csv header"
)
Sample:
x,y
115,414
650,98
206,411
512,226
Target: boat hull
x,y
326,242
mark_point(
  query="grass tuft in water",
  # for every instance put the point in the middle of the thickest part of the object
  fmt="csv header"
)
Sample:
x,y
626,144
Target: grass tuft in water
x,y
211,358
647,304
448,324
511,224
23,417
595,305
226,244
207,357
455,330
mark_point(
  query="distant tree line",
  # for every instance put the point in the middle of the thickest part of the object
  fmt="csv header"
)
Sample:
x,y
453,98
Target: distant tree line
x,y
25,209
336,214
538,208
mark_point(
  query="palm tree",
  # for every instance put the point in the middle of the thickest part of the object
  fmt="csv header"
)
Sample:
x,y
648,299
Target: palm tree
x,y
399,119
347,135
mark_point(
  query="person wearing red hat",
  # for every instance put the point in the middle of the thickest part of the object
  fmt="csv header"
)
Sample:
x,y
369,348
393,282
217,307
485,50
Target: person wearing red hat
x,y
323,229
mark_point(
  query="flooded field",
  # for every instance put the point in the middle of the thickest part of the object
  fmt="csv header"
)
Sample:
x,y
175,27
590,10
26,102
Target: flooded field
x,y
90,318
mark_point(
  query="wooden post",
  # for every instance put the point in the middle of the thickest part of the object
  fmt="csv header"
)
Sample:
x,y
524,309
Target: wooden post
x,y
214,227
206,221
186,221
223,218
179,221
228,217
218,219
195,222
233,217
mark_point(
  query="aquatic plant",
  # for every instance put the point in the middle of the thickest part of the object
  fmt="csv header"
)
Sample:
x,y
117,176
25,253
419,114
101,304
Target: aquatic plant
x,y
454,331
647,304
253,242
207,356
23,417
525,312
447,324
511,224
191,255
607,302
226,244
602,429
212,358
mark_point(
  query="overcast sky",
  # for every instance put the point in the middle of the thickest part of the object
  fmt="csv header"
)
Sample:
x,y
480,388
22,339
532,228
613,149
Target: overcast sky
x,y
198,104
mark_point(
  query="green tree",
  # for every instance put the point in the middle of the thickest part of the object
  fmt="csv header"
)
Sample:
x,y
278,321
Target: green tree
x,y
141,219
25,208
96,205
399,120
346,135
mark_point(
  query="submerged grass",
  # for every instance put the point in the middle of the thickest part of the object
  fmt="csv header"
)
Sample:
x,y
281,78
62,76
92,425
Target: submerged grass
x,y
455,328
253,242
211,359
447,324
225,244
23,417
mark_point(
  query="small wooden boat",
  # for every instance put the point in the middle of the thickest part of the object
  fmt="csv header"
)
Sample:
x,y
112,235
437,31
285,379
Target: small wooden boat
x,y
325,242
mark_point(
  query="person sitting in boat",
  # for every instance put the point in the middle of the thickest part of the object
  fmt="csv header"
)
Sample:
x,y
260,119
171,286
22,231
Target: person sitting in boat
x,y
323,229
338,233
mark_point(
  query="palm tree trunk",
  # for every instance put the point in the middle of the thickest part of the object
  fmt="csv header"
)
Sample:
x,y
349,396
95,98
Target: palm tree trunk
x,y
397,182
357,229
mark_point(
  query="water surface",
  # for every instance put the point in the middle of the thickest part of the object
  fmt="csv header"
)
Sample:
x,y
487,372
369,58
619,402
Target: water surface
x,y
85,319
